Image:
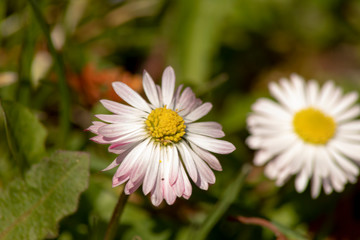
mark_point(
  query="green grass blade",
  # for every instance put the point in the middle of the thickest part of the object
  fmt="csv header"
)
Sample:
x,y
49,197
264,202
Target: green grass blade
x,y
229,196
60,70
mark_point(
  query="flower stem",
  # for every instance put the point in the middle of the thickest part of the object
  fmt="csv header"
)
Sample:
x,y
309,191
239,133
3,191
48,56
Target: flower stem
x,y
261,222
229,196
114,221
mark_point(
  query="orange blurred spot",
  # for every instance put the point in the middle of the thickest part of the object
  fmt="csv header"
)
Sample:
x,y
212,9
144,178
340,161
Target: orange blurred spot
x,y
93,84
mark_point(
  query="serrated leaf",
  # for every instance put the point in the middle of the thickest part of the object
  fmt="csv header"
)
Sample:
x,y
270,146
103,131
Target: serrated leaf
x,y
25,133
31,208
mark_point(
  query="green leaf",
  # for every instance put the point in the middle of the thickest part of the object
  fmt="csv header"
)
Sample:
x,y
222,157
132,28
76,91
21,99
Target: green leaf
x,y
31,208
25,133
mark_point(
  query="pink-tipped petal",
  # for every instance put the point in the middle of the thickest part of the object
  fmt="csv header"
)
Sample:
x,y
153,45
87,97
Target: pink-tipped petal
x,y
130,96
198,128
199,112
211,144
150,90
168,85
207,157
95,127
152,171
175,162
123,110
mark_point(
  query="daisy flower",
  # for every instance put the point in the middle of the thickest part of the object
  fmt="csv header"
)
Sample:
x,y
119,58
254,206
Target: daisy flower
x,y
159,144
310,132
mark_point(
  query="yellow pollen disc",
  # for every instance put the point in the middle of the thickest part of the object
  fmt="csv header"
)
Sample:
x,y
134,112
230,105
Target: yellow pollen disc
x,y
313,126
165,125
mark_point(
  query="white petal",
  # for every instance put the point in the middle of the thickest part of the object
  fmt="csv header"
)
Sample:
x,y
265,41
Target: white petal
x,y
139,169
261,157
271,109
211,144
348,149
299,91
353,137
128,137
348,166
207,125
267,132
271,170
130,96
95,127
278,143
117,181
285,159
321,163
124,152
114,163
283,176
280,94
120,129
168,192
177,95
258,120
207,157
203,128
327,186
309,156
179,186
312,93
188,161
337,177
175,164
349,114
350,126
152,171
115,118
254,142
187,99
150,90
329,97
127,165
316,186
121,147
168,85
301,181
326,94
348,100
198,113
205,174
187,184
122,109
156,193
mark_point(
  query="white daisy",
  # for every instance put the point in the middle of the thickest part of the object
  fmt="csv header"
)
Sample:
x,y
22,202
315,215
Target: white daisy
x,y
310,132
159,144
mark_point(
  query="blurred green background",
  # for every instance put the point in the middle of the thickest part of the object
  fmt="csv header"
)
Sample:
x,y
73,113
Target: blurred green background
x,y
227,50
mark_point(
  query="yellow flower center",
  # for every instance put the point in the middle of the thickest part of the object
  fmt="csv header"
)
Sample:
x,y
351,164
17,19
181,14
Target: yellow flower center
x,y
165,125
313,126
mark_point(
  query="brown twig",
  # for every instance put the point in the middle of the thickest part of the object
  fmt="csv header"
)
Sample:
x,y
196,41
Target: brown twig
x,y
261,222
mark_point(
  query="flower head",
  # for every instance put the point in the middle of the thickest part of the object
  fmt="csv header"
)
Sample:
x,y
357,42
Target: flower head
x,y
310,132
159,144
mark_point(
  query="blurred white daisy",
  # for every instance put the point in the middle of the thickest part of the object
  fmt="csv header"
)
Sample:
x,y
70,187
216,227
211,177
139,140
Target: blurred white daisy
x,y
310,132
159,144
